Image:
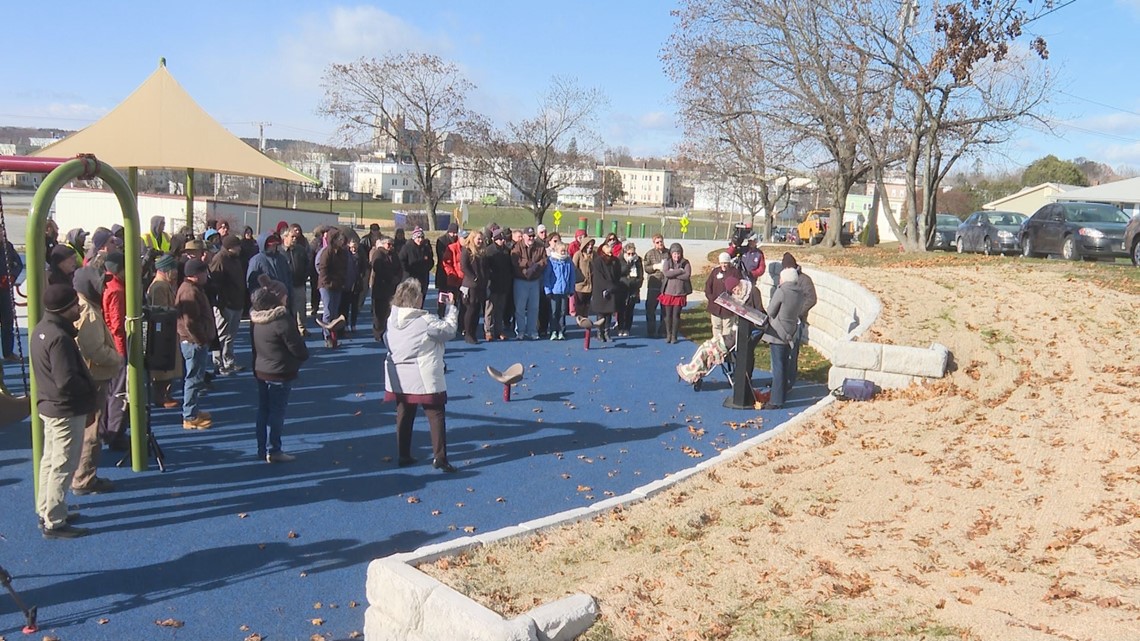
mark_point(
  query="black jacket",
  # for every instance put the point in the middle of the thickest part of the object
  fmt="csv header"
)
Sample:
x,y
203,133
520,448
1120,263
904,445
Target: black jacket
x,y
608,291
278,347
417,260
632,276
500,275
299,260
64,387
387,272
227,279
474,274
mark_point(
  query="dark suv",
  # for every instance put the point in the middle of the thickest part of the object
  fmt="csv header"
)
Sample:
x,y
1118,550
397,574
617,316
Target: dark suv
x,y
1075,230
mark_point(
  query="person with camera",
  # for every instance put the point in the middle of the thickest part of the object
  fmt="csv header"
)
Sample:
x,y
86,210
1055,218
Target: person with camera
x,y
413,368
607,290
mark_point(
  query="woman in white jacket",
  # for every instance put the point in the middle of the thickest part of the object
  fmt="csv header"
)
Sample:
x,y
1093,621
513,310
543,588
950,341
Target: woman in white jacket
x,y
413,369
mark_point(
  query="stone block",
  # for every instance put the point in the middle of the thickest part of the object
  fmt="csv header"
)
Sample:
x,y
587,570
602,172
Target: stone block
x,y
435,551
501,534
555,520
450,615
396,592
617,501
378,627
565,619
856,355
835,375
890,380
652,489
915,361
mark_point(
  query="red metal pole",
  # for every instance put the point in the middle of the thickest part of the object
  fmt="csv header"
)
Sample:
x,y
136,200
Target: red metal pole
x,y
506,392
30,165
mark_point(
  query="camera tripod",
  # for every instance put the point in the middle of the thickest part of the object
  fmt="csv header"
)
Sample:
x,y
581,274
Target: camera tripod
x,y
29,613
152,446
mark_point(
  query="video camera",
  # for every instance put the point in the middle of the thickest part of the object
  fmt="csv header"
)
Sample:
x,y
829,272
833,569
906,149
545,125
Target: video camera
x,y
740,234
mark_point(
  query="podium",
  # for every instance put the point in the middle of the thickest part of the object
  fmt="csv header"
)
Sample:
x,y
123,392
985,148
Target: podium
x,y
748,317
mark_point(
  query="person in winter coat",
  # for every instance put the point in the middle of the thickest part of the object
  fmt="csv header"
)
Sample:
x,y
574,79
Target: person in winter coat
x,y
196,332
10,268
607,291
445,281
632,276
104,363
114,304
332,274
279,352
558,283
65,396
299,257
161,294
60,265
806,287
413,369
784,311
227,279
417,259
717,285
528,262
269,261
676,272
652,261
350,296
500,282
473,264
387,272
583,286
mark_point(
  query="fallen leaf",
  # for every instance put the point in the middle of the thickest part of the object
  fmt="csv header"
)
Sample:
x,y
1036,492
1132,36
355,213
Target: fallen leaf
x,y
244,628
318,621
565,475
460,504
293,534
500,500
170,623
254,637
413,499
436,512
584,488
357,413
355,634
243,515
352,604
103,621
469,528
318,605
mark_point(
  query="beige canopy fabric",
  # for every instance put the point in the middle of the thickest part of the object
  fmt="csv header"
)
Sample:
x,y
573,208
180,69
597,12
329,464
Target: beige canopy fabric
x,y
159,126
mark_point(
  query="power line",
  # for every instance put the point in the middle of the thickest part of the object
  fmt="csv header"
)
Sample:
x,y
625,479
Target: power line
x,y
1038,17
1099,104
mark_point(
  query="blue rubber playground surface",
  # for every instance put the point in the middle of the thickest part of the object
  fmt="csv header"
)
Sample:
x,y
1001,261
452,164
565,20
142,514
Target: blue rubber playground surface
x,y
223,546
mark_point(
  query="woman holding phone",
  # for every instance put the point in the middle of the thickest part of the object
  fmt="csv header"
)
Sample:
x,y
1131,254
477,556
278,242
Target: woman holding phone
x,y
413,368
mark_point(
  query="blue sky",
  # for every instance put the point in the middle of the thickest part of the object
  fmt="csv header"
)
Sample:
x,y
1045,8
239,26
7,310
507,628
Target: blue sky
x,y
250,61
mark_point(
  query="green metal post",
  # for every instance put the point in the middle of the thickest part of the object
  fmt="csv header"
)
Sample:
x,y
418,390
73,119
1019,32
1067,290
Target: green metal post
x,y
583,223
133,181
628,228
598,227
37,219
613,226
642,233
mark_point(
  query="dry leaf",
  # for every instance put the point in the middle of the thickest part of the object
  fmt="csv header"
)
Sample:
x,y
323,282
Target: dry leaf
x,y
565,475
469,528
318,605
357,413
292,534
103,621
413,499
352,604
584,488
318,621
460,504
170,623
500,500
436,512
243,515
355,634
244,628
254,637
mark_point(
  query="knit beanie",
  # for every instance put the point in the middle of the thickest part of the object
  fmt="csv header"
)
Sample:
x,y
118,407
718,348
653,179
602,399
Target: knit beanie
x,y
58,298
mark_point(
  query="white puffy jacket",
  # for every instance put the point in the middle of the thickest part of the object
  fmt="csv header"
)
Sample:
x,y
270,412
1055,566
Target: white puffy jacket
x,y
415,341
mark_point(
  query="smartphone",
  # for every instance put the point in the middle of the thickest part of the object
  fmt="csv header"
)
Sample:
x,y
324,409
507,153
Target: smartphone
x,y
445,298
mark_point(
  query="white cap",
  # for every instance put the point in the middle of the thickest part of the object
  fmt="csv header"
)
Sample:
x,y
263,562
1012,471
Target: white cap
x,y
724,258
541,227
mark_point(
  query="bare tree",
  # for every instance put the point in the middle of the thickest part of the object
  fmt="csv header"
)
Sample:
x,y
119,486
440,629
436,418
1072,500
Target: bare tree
x,y
412,103
961,86
541,155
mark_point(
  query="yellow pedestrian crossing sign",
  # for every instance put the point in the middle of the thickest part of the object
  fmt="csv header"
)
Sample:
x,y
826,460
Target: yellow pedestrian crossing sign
x,y
557,217
685,223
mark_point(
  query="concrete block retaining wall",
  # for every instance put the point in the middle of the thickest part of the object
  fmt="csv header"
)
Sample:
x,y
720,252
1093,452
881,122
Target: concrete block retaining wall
x,y
844,312
406,605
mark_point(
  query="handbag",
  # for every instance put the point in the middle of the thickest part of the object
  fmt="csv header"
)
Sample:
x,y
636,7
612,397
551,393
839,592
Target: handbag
x,y
854,389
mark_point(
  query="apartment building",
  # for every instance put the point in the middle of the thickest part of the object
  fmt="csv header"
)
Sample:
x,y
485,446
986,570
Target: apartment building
x,y
645,186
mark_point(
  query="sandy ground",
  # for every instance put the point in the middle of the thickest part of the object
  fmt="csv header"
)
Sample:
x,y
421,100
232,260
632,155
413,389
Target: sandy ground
x,y
998,503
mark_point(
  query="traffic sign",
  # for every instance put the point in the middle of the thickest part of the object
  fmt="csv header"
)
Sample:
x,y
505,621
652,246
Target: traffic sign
x,y
684,224
557,217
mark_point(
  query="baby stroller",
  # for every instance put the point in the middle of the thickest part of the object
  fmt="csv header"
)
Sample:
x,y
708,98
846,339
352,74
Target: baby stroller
x,y
718,351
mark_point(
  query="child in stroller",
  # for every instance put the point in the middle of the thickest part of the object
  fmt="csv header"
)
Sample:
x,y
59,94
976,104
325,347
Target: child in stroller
x,y
720,350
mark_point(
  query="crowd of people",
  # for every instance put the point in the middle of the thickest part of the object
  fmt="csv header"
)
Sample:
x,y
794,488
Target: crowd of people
x,y
493,284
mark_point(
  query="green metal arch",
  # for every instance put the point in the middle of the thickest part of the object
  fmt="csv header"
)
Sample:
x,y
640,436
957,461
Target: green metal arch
x,y
35,248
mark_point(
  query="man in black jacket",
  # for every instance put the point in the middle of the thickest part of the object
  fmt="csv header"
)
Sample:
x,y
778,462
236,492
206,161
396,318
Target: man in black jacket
x,y
416,258
65,394
227,279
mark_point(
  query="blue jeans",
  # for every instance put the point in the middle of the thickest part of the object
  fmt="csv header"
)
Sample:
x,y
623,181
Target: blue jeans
x,y
196,358
780,354
794,357
330,298
558,304
272,399
526,307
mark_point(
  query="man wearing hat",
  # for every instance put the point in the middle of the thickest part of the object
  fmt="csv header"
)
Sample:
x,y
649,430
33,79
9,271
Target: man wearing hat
x,y
61,265
500,280
417,259
195,333
752,263
269,261
65,394
528,262
716,285
227,277
105,364
77,241
161,294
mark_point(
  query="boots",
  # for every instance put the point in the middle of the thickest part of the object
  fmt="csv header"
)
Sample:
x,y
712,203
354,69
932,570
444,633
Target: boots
x,y
668,327
162,397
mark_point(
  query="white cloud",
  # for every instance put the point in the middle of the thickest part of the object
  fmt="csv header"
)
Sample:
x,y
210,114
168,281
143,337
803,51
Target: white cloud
x,y
1126,154
1114,123
656,120
74,110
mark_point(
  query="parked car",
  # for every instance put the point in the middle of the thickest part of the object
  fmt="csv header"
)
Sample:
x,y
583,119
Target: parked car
x,y
990,232
1132,240
1075,230
780,234
945,229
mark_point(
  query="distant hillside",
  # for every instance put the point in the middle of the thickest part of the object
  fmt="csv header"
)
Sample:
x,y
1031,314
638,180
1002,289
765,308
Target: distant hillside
x,y
20,135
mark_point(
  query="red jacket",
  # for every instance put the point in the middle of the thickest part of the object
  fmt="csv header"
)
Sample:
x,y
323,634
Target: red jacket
x,y
452,265
115,312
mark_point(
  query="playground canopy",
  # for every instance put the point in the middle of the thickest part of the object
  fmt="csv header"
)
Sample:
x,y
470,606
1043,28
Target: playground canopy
x,y
159,126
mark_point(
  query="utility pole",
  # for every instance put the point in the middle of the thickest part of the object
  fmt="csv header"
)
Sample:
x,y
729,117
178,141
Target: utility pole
x,y
261,181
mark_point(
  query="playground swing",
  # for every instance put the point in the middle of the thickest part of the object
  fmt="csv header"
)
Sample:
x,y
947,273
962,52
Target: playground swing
x,y
12,408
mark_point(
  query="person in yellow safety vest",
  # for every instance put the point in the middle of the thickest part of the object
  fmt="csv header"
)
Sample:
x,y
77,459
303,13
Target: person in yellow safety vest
x,y
77,241
157,239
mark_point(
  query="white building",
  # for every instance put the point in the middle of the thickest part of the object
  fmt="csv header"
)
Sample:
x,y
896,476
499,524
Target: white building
x,y
580,197
386,180
471,186
645,186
